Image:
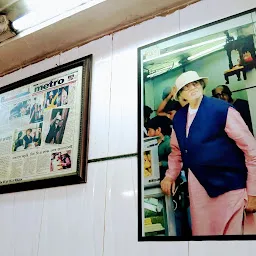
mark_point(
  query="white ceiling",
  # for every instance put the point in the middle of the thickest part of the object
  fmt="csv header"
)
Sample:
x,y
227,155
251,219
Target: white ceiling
x,y
97,21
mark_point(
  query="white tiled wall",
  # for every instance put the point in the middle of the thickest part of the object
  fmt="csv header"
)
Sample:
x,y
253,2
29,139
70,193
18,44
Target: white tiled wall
x,y
73,217
100,218
231,248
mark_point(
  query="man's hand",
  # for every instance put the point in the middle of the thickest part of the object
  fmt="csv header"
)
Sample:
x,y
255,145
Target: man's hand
x,y
168,186
171,94
251,205
169,116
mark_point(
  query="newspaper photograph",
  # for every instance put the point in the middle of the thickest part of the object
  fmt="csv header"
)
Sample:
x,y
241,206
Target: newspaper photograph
x,y
60,161
36,111
27,138
20,109
40,128
57,126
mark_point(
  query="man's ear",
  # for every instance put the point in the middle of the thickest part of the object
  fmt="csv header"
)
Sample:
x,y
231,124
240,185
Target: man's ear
x,y
159,129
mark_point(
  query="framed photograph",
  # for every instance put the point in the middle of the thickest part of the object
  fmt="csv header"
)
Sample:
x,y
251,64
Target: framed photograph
x,y
44,128
196,132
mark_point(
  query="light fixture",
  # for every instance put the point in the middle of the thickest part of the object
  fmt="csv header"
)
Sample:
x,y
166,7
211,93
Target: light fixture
x,y
6,31
193,57
186,48
42,11
163,70
207,51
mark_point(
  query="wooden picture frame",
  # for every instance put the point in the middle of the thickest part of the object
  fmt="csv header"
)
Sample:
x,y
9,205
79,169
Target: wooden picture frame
x,y
45,127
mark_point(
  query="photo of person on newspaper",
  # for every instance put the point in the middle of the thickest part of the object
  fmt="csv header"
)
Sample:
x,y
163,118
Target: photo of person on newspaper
x,y
57,126
63,96
60,161
20,109
36,111
51,99
211,141
27,138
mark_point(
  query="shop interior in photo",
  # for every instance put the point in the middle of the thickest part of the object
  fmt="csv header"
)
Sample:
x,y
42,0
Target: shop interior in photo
x,y
225,53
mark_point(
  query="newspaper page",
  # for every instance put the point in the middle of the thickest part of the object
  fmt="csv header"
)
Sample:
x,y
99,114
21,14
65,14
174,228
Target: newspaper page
x,y
39,128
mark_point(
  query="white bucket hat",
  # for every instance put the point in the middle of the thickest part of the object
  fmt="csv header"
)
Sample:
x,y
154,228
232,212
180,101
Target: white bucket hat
x,y
186,78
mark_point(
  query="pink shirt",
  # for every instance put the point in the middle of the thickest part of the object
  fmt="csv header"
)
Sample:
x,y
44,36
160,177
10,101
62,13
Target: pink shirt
x,y
237,130
224,214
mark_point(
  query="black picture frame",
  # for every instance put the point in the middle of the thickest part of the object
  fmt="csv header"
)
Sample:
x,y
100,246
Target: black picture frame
x,y
142,238
80,174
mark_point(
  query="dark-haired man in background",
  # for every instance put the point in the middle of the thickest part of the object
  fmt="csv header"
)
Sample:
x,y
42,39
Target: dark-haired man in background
x,y
223,92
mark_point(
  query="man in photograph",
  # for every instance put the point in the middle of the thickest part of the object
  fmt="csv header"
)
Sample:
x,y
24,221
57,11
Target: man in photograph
x,y
55,127
224,93
51,101
64,96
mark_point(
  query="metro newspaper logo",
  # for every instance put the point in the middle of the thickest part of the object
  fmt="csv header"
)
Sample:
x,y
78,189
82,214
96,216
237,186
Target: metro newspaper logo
x,y
51,84
55,82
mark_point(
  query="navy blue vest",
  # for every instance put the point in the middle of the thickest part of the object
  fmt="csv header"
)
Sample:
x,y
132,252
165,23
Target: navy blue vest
x,y
214,158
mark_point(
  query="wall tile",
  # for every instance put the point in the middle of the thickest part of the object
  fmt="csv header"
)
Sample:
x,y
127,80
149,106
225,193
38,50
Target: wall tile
x,y
28,209
7,224
227,248
122,214
124,82
207,11
68,56
100,95
72,222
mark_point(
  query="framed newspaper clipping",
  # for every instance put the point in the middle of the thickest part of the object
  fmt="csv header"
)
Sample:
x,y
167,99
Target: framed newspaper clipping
x,y
44,128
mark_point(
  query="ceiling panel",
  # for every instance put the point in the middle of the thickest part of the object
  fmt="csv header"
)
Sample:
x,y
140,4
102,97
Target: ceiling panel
x,y
100,20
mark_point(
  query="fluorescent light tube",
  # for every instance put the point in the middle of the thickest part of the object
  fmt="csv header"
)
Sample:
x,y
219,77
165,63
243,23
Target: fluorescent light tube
x,y
163,70
186,48
42,11
206,52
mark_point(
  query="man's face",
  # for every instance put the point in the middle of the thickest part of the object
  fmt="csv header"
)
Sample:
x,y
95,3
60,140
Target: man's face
x,y
192,91
23,111
152,132
219,94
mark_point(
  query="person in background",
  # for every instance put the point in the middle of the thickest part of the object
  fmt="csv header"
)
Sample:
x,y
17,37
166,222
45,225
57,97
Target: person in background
x,y
65,161
51,101
168,107
34,113
212,142
55,127
161,126
64,97
38,135
223,92
147,112
55,163
19,141
40,113
28,139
